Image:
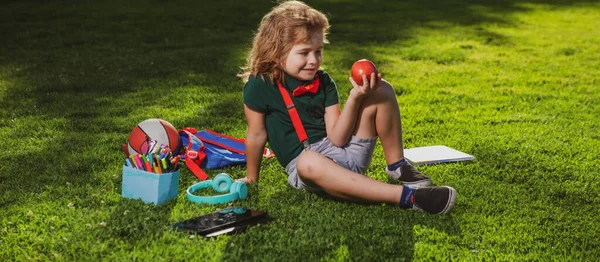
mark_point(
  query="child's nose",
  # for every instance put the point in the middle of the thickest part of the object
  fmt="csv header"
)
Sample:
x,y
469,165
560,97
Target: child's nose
x,y
313,59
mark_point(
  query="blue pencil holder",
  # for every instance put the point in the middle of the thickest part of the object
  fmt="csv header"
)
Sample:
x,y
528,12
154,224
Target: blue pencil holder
x,y
149,187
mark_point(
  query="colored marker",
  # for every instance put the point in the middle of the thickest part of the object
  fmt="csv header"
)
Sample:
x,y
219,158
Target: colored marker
x,y
146,163
148,166
158,169
138,162
156,161
175,162
164,164
150,159
132,158
128,163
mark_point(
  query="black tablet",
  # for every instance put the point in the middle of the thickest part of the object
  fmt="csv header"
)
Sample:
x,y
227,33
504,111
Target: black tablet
x,y
226,221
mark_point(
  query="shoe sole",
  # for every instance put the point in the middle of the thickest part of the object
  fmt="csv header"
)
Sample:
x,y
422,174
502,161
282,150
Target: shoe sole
x,y
419,184
451,201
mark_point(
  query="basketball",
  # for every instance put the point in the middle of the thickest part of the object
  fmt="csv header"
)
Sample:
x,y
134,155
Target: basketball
x,y
144,133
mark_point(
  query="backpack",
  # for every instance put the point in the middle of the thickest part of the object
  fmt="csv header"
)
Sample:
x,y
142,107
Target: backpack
x,y
210,150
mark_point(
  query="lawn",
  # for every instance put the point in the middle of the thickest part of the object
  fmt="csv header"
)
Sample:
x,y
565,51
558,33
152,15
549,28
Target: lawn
x,y
514,83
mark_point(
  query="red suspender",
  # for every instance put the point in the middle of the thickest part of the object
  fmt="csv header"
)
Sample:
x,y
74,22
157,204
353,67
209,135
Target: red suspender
x,y
294,116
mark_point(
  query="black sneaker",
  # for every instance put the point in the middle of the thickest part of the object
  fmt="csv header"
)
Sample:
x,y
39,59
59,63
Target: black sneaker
x,y
435,199
409,176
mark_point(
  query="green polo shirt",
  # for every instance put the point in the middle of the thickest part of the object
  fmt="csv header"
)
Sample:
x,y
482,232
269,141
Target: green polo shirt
x,y
264,97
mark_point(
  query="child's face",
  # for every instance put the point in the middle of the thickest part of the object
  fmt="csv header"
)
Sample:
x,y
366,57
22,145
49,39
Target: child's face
x,y
304,59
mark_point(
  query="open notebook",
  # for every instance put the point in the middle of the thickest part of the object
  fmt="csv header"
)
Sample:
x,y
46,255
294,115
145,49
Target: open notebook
x,y
435,154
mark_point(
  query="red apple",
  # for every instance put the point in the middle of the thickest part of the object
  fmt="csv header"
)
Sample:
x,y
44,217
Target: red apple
x,y
363,67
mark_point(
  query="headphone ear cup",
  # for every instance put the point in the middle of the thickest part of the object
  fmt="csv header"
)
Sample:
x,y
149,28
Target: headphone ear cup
x,y
222,183
240,189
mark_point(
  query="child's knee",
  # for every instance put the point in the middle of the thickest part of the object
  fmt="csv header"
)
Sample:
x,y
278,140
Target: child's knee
x,y
308,165
386,89
385,94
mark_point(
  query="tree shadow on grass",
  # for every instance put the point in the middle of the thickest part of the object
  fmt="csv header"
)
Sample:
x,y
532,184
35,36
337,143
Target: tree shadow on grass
x,y
306,227
133,221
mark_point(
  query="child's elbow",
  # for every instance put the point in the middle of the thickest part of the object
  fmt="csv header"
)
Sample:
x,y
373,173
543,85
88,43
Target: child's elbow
x,y
257,136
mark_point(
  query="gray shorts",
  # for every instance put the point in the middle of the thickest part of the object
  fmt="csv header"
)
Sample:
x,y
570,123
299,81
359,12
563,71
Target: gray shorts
x,y
356,156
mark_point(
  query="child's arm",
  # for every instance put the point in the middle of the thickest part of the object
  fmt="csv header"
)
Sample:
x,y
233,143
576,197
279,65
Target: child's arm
x,y
256,138
341,125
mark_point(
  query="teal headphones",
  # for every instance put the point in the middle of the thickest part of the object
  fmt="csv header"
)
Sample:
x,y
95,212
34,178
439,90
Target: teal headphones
x,y
222,183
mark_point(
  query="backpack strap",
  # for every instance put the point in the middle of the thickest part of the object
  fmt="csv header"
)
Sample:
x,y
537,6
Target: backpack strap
x,y
241,140
194,154
232,144
291,108
223,141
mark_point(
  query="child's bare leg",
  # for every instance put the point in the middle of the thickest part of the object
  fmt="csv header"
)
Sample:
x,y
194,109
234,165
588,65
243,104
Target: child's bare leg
x,y
342,183
316,169
379,115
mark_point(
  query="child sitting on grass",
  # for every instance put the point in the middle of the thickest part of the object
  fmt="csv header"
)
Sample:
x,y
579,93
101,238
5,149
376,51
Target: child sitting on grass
x,y
287,52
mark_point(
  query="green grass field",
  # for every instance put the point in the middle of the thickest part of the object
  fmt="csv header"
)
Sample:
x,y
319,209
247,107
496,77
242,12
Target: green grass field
x,y
514,83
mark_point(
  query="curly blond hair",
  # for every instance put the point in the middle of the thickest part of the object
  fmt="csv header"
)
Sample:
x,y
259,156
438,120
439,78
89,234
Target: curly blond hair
x,y
287,24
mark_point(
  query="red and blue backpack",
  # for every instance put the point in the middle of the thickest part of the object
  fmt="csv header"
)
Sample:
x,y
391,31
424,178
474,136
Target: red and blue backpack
x,y
210,150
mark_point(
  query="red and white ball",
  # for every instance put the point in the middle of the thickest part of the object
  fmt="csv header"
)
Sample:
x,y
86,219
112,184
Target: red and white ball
x,y
152,129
